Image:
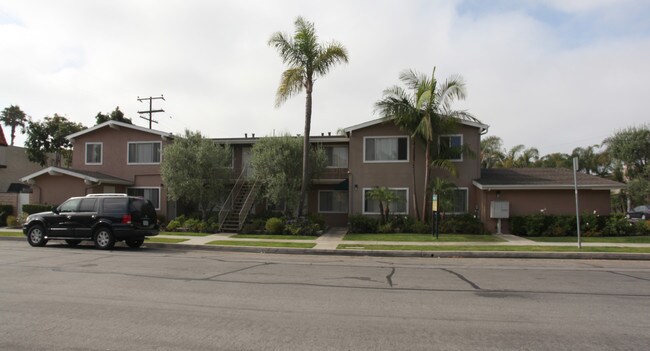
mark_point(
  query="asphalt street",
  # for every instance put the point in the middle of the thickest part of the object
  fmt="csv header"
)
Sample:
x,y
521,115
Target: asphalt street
x,y
60,298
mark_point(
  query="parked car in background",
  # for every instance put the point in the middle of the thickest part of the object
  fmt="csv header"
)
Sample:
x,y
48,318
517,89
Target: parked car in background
x,y
640,212
102,218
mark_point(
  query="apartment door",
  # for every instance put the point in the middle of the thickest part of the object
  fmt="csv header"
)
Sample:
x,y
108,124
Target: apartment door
x,y
246,162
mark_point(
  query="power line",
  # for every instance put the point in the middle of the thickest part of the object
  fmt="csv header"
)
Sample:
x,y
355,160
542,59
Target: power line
x,y
151,110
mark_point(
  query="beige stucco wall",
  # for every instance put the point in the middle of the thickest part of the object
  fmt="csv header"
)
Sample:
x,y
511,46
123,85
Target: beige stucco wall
x,y
558,202
17,166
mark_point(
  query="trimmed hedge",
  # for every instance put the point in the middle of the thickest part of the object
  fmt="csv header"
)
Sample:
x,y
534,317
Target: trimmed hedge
x,y
565,225
451,224
31,209
5,210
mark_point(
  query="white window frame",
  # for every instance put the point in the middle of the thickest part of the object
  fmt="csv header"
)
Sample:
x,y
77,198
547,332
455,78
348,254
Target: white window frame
x,y
157,206
461,145
347,151
363,201
408,148
101,153
128,147
466,200
347,198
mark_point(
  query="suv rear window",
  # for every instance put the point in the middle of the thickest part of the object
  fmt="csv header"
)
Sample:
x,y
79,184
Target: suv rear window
x,y
115,207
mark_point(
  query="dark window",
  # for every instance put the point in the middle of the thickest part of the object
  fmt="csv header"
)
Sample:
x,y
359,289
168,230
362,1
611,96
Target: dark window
x,y
378,149
451,147
88,205
70,205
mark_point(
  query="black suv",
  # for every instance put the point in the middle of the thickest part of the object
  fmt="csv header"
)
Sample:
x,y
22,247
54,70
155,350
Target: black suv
x,y
102,218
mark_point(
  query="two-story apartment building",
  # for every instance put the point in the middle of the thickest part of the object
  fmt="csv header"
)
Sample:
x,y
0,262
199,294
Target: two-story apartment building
x,y
118,157
111,157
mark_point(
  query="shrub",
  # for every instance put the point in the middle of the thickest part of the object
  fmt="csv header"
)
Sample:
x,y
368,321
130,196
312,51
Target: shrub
x,y
12,221
31,209
5,210
317,219
385,228
642,228
461,224
618,225
363,224
274,225
173,225
518,225
401,224
193,225
420,228
300,226
560,226
536,224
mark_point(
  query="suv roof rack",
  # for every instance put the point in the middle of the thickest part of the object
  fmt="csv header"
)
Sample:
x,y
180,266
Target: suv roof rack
x,y
105,194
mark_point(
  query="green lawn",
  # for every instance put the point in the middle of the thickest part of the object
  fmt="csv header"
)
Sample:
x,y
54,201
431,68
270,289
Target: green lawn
x,y
606,239
495,248
184,234
422,237
267,236
261,243
14,234
165,240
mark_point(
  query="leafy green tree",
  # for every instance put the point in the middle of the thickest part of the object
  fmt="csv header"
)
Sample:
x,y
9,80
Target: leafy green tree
x,y
629,150
14,117
116,115
281,179
307,60
49,137
383,195
426,113
554,160
492,154
195,171
444,189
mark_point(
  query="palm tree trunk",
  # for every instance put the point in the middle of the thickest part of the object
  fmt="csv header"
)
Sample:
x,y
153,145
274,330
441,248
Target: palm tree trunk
x,y
305,151
415,197
427,162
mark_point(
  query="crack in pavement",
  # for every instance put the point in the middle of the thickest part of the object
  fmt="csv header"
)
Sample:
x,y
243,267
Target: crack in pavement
x,y
461,277
389,277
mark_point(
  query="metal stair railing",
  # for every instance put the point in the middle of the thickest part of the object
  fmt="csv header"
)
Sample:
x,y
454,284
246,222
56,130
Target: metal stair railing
x,y
227,205
250,199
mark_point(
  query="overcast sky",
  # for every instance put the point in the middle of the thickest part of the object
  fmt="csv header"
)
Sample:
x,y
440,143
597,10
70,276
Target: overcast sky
x,y
553,74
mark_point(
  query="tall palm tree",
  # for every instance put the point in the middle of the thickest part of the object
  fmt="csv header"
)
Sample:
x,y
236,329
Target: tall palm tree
x,y
492,152
14,117
307,60
425,112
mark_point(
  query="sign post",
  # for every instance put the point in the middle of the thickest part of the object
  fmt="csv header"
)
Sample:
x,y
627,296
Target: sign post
x,y
575,185
434,213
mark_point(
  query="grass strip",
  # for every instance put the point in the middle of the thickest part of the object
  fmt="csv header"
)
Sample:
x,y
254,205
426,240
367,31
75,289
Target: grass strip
x,y
271,237
184,234
12,234
166,240
261,243
495,248
592,239
407,237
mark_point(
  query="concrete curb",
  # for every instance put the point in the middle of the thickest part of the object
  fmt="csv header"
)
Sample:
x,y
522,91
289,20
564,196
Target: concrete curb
x,y
397,253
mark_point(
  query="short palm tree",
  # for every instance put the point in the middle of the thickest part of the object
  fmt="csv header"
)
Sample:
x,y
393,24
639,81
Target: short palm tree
x,y
14,117
307,60
383,195
426,113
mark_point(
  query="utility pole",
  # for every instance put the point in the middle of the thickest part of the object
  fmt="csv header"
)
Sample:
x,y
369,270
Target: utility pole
x,y
151,110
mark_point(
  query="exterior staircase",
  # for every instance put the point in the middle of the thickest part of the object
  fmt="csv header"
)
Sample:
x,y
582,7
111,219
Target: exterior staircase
x,y
238,204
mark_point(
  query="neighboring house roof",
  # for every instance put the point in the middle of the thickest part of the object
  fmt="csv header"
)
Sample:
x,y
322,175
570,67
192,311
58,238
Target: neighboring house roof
x,y
540,179
90,177
117,125
483,127
3,141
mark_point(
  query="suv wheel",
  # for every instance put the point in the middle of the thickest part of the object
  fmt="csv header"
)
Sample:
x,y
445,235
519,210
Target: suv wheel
x,y
104,239
36,236
134,243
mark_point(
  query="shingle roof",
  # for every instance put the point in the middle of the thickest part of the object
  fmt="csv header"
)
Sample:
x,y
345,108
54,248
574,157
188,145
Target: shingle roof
x,y
540,178
95,177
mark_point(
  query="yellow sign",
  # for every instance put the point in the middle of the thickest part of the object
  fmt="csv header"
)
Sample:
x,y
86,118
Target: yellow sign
x,y
434,203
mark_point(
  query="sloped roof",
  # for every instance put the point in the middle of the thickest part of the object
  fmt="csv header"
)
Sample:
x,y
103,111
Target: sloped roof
x,y
3,141
481,126
94,177
118,125
540,179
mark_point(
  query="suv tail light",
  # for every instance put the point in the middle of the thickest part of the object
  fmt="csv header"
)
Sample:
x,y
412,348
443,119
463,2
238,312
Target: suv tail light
x,y
126,219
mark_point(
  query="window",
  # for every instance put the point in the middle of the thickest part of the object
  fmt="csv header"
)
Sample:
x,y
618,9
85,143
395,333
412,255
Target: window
x,y
451,147
332,201
93,153
337,156
70,205
385,149
151,194
144,152
87,205
371,206
459,200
